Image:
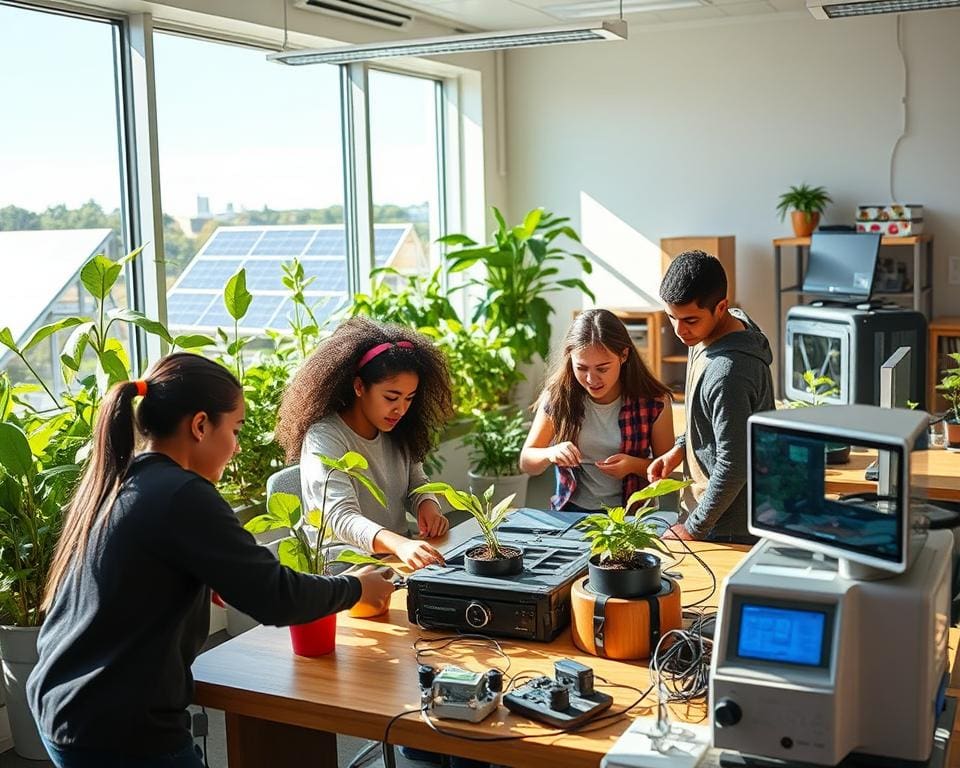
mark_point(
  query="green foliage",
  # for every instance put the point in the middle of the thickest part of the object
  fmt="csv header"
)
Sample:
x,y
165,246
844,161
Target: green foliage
x,y
804,198
410,300
616,536
820,388
950,386
520,271
487,514
496,440
284,513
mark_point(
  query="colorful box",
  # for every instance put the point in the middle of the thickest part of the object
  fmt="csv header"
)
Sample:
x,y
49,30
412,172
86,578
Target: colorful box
x,y
892,220
899,228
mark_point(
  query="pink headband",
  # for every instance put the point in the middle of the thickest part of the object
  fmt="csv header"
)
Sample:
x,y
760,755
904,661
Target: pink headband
x,y
373,352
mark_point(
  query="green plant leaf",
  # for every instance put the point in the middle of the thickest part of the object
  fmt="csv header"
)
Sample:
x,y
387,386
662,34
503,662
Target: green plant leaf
x,y
291,554
99,275
530,222
113,366
349,556
48,330
236,297
193,341
454,240
6,338
352,460
285,508
372,487
142,321
657,488
15,454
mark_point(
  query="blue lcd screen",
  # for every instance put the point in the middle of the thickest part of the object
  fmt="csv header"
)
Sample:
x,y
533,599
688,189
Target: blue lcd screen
x,y
781,635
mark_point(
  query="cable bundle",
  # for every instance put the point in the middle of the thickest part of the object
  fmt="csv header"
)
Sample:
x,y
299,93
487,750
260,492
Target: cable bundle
x,y
681,662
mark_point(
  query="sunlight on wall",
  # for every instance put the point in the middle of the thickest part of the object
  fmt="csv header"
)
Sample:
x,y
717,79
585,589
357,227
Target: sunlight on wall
x,y
626,263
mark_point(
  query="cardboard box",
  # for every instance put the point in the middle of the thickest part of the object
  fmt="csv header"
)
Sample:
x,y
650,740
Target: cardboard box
x,y
892,212
897,228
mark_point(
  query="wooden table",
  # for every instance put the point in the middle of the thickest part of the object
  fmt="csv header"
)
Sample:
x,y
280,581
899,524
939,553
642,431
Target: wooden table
x,y
934,473
283,710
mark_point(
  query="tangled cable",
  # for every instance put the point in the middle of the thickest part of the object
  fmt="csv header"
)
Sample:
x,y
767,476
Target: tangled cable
x,y
680,664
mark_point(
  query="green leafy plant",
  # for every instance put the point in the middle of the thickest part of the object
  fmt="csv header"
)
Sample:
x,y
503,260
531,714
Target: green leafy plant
x,y
284,512
950,386
414,301
521,268
618,536
803,198
820,389
487,514
496,440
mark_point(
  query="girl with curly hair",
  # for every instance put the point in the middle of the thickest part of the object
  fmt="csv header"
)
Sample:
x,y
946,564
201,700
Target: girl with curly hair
x,y
602,417
382,391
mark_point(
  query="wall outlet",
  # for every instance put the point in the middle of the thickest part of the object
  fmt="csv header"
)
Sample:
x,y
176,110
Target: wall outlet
x,y
954,278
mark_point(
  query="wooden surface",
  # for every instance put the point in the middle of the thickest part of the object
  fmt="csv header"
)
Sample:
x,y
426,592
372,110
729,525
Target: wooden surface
x,y
372,676
939,328
912,240
934,473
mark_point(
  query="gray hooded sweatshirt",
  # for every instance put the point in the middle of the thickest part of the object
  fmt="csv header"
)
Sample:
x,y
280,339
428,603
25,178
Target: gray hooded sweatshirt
x,y
735,383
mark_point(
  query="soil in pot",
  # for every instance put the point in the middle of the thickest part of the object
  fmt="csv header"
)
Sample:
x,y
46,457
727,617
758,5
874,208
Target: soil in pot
x,y
480,561
636,578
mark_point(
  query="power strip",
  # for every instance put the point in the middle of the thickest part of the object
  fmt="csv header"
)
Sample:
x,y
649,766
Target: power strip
x,y
640,746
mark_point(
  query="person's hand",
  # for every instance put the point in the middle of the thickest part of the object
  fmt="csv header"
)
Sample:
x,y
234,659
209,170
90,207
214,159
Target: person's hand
x,y
619,465
663,466
677,531
418,554
564,454
376,588
431,522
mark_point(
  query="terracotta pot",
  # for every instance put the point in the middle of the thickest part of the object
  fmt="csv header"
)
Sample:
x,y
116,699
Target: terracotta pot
x,y
803,224
316,638
953,434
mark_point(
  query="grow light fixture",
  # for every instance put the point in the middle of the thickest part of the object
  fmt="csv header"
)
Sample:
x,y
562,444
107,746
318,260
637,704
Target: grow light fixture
x,y
481,41
827,10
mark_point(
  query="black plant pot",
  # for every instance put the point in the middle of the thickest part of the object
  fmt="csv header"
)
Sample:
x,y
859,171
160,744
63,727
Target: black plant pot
x,y
626,582
837,453
498,568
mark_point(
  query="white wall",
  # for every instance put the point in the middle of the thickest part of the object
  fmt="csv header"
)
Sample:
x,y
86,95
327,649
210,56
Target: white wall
x,y
697,130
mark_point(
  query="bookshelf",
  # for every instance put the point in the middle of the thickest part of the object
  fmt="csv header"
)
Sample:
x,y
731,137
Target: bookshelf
x,y
944,334
661,350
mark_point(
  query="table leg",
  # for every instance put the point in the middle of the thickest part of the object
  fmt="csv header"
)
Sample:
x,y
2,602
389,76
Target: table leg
x,y
255,743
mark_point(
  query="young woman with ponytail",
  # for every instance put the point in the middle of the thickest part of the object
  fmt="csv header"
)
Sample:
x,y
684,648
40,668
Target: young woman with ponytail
x,y
146,537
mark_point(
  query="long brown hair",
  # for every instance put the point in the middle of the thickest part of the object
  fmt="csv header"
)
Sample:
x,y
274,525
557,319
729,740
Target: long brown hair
x,y
324,384
564,398
177,387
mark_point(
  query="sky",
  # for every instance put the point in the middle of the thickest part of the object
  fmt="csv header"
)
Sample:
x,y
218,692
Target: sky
x,y
232,126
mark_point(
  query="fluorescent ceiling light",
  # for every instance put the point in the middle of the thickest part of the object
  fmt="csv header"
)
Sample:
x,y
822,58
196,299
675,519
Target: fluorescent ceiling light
x,y
482,41
586,9
823,10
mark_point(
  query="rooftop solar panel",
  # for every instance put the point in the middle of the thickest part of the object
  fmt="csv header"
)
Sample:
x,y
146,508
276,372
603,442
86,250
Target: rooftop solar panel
x,y
284,242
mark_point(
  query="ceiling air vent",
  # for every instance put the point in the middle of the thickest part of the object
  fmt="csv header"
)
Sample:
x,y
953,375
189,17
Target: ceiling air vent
x,y
365,11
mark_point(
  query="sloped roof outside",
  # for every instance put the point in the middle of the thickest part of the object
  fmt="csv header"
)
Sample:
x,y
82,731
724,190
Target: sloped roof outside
x,y
37,266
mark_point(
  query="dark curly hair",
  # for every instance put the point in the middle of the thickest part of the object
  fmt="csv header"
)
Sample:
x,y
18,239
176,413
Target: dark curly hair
x,y
694,276
324,384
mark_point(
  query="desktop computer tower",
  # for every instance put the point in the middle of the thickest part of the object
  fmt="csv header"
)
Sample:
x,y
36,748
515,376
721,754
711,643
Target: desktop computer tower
x,y
849,345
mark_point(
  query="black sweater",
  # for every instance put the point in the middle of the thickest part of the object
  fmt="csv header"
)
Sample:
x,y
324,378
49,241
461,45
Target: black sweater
x,y
129,620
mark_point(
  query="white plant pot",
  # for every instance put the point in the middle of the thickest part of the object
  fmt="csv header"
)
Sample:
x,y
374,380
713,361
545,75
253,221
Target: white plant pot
x,y
18,653
504,486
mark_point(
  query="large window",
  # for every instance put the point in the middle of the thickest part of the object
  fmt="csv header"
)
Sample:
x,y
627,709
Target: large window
x,y
60,176
251,176
405,151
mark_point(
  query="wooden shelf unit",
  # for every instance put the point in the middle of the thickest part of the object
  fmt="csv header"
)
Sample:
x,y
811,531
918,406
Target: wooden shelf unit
x,y
662,350
921,294
944,334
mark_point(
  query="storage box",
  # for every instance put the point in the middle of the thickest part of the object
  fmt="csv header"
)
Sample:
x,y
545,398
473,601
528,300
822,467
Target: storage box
x,y
890,220
898,228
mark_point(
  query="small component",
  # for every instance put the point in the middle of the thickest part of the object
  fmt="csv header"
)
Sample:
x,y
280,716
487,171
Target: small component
x,y
574,674
495,680
559,697
460,694
559,702
425,675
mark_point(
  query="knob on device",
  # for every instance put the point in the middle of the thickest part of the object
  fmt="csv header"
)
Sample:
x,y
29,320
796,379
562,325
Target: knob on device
x,y
477,615
727,713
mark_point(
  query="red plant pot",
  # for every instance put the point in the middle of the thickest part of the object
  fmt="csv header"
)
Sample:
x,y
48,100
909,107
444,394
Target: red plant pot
x,y
316,638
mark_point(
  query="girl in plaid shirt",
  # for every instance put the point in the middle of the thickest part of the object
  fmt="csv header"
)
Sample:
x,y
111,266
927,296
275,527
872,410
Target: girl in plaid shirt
x,y
601,418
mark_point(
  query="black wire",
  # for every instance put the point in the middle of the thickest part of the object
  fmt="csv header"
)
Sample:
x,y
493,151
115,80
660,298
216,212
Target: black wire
x,y
713,577
420,649
385,749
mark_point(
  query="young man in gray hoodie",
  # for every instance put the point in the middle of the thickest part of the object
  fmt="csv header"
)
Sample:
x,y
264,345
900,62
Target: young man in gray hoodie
x,y
728,378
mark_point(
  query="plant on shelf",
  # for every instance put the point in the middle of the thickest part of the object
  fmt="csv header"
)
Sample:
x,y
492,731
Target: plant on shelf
x,y
305,547
619,565
521,268
492,557
495,441
805,204
950,386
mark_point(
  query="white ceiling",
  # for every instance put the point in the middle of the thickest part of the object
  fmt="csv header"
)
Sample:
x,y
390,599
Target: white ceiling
x,y
515,14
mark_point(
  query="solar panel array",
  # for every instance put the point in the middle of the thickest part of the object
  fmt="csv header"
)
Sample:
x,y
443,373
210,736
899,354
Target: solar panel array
x,y
195,302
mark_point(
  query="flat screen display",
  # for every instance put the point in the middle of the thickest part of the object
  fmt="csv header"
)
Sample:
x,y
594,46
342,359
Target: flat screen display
x,y
842,264
781,635
790,473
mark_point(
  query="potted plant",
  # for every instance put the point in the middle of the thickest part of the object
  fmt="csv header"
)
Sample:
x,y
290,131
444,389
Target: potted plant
x,y
950,386
619,566
805,204
305,547
521,268
821,389
492,557
495,441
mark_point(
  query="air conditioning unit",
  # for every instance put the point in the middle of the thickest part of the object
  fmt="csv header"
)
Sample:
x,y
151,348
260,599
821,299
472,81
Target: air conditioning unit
x,y
839,9
374,12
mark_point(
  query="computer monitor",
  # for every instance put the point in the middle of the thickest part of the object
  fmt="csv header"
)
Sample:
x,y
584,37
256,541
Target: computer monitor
x,y
896,379
842,265
788,478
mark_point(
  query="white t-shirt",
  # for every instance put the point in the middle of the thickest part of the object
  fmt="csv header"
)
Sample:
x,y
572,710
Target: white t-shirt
x,y
599,439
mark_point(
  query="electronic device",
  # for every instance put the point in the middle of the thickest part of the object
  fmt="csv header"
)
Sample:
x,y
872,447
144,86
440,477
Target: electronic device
x,y
543,522
566,700
832,633
849,345
894,393
459,694
643,745
623,628
533,605
842,265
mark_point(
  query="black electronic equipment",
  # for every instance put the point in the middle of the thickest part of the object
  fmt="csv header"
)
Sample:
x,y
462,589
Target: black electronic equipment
x,y
533,605
565,701
543,522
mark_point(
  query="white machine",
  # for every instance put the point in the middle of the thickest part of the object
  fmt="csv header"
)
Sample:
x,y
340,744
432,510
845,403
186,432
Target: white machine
x,y
832,634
